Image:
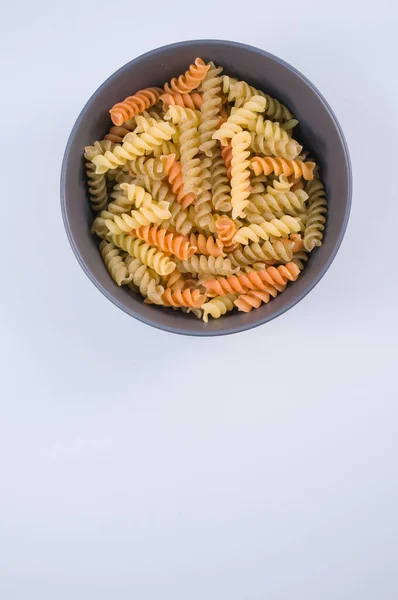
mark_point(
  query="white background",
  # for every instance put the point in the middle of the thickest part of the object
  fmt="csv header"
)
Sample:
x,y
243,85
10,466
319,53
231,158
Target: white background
x,y
135,464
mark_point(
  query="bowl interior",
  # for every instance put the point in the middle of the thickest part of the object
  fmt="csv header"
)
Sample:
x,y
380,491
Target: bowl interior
x,y
318,131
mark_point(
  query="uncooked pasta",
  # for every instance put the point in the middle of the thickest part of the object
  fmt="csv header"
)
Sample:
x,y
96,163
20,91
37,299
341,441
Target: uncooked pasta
x,y
204,201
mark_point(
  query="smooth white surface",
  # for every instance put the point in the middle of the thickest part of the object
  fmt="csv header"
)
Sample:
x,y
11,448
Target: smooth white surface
x,y
137,464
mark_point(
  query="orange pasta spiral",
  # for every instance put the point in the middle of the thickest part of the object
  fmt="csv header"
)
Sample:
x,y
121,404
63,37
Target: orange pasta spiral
x,y
206,245
226,153
169,242
116,134
190,81
254,298
191,298
280,166
254,280
173,169
226,230
193,101
131,106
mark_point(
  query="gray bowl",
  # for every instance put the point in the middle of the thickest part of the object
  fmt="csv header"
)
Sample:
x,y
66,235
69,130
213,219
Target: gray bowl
x,y
319,131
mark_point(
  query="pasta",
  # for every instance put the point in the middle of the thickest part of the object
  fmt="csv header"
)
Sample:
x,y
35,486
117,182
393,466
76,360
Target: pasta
x,y
216,307
145,280
279,165
190,81
169,242
317,209
193,100
210,110
204,201
240,175
114,263
206,245
133,105
206,265
239,118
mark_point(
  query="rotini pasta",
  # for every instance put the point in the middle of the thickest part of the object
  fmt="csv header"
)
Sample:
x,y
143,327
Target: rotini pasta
x,y
114,263
133,105
169,242
240,176
210,110
216,307
206,265
317,208
190,81
205,202
281,166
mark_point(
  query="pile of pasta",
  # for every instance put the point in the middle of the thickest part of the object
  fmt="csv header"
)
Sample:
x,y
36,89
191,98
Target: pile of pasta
x,y
204,201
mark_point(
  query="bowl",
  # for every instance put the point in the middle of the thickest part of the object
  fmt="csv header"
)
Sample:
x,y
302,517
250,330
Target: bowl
x,y
318,130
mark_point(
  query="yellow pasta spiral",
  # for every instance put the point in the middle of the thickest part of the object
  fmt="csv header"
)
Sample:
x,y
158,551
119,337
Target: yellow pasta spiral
x,y
134,145
220,184
202,207
199,264
114,263
151,257
276,227
240,176
275,250
152,167
240,92
218,306
210,110
317,209
144,280
239,118
97,189
125,223
288,149
280,200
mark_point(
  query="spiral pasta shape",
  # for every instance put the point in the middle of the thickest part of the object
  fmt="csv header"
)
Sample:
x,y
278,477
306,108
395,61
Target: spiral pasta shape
x,y
202,214
240,92
288,149
125,223
188,121
226,231
220,185
280,200
282,166
199,264
114,263
166,147
159,191
190,81
269,130
206,245
254,280
240,176
279,250
132,105
218,306
190,298
254,299
240,118
193,101
173,170
145,280
97,189
151,257
152,167
210,110
180,220
276,227
169,242
134,145
317,208
226,154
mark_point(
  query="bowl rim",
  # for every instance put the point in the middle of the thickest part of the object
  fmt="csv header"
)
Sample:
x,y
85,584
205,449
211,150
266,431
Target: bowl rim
x,y
231,329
